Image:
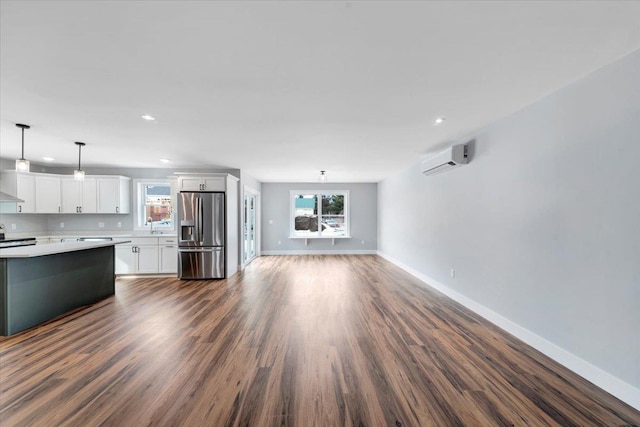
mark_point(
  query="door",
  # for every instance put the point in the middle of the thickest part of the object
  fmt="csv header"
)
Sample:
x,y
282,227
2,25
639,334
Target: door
x,y
249,226
47,194
213,183
108,195
201,219
71,195
168,259
89,196
189,184
125,259
201,263
188,206
26,190
147,259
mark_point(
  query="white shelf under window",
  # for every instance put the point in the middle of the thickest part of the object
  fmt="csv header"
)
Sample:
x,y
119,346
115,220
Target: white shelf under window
x,y
307,238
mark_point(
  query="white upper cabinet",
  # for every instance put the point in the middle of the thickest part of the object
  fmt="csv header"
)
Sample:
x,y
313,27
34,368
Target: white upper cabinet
x,y
114,194
47,193
209,183
79,196
52,193
22,186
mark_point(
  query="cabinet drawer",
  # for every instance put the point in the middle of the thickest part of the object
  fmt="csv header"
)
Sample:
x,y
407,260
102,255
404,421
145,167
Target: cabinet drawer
x,y
141,241
168,240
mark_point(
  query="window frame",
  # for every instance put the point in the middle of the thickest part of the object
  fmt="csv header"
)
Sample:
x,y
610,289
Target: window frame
x,y
139,202
319,194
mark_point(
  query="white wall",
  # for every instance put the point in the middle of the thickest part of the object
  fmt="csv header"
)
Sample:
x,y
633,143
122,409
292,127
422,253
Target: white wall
x,y
275,208
543,226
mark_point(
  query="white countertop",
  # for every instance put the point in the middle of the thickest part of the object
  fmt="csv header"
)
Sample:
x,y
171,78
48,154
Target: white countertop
x,y
55,248
71,234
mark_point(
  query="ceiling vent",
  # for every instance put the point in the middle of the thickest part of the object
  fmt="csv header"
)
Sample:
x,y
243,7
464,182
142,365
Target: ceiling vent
x,y
450,158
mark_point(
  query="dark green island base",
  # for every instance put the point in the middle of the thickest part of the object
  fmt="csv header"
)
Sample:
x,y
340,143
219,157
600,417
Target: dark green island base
x,y
36,289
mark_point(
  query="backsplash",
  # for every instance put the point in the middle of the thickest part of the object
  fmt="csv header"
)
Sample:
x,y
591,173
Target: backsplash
x,y
23,223
89,222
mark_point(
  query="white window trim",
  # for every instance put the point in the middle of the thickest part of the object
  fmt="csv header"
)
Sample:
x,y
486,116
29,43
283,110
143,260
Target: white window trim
x,y
138,202
292,213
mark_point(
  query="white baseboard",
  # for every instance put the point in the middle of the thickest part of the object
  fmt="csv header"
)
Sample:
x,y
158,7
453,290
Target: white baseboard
x,y
613,385
322,252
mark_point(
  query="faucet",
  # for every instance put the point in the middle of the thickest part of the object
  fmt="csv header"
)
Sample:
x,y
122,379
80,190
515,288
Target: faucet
x,y
150,221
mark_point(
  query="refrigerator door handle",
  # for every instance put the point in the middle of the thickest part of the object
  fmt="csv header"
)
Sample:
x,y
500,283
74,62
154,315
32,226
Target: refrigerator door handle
x,y
201,222
216,249
196,218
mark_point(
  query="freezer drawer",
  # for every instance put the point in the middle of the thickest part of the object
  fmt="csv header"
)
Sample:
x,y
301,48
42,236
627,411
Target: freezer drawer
x,y
201,263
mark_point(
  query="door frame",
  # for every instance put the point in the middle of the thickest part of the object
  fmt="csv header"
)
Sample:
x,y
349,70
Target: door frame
x,y
257,216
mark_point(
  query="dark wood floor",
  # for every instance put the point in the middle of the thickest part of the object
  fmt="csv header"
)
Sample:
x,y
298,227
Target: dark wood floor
x,y
304,341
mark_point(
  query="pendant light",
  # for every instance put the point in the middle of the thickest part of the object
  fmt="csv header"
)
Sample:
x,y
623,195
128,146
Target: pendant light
x,y
78,175
322,177
22,165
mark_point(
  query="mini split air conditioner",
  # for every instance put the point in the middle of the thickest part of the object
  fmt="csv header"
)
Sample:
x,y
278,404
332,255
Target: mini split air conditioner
x,y
450,158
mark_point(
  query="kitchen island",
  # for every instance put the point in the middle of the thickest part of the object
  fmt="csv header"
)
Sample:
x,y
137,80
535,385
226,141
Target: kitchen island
x,y
38,283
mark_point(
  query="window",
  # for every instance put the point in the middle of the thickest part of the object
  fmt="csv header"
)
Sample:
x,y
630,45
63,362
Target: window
x,y
319,214
153,204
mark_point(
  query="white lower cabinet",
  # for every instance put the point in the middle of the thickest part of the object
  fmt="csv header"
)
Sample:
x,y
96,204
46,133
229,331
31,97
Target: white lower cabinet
x,y
147,259
147,255
168,260
126,259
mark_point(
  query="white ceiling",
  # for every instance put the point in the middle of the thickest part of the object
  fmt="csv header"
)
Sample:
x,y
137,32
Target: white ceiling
x,y
285,89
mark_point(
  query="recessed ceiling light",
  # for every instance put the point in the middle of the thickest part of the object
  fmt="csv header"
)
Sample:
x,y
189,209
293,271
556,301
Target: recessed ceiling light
x,y
48,159
438,121
148,117
165,160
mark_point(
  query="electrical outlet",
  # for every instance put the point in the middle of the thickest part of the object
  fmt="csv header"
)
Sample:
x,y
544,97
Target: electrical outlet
x,y
270,221
119,224
279,242
453,273
62,225
101,225
362,242
13,226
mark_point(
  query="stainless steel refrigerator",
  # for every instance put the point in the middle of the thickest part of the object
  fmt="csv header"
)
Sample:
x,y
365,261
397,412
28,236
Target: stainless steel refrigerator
x,y
201,235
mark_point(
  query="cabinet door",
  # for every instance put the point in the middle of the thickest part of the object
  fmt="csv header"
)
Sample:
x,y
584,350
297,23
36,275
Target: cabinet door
x,y
147,259
108,195
189,184
89,196
168,259
26,190
214,184
47,190
71,195
125,259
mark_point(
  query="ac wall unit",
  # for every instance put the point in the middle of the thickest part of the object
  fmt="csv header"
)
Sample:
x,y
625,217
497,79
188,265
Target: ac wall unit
x,y
450,158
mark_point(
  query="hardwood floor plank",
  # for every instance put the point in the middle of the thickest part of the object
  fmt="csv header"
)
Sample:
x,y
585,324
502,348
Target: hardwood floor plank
x,y
290,341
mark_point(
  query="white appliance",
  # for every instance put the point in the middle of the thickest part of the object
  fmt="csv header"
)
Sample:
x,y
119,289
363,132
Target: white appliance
x,y
450,158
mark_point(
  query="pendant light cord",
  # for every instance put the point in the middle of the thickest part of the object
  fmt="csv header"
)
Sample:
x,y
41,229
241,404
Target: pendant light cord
x,y
22,158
